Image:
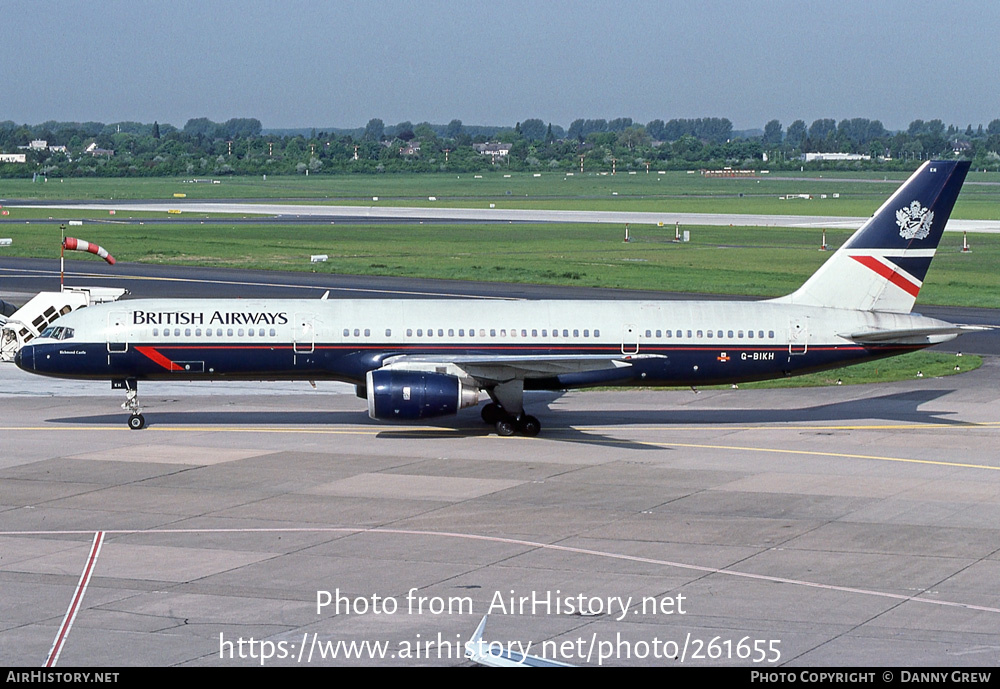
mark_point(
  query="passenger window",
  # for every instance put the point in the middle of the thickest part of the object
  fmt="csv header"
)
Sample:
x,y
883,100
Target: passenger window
x,y
597,333
482,332
770,334
409,332
493,333
156,331
451,332
700,334
730,333
576,333
657,333
649,333
565,333
750,334
250,332
240,332
357,332
273,332
710,333
534,332
740,334
229,332
440,332
347,333
524,333
388,332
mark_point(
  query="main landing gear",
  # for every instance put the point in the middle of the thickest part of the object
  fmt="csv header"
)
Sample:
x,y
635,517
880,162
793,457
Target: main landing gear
x,y
136,421
506,411
509,424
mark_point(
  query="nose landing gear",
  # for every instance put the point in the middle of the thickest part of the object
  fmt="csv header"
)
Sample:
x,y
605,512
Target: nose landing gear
x,y
136,421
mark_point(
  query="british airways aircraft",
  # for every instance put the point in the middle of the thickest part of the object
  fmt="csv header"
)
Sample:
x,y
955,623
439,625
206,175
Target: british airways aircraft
x,y
420,359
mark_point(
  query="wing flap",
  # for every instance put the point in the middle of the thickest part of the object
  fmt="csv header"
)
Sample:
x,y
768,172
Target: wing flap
x,y
499,367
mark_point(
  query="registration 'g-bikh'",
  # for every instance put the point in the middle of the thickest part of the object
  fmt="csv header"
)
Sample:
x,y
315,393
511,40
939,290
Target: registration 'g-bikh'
x,y
419,359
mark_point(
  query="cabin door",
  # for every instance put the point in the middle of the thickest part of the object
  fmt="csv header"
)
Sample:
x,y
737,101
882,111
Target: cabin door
x,y
630,339
798,336
117,332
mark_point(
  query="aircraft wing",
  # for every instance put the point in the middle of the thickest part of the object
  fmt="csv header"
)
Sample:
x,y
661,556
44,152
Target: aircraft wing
x,y
912,336
498,367
497,654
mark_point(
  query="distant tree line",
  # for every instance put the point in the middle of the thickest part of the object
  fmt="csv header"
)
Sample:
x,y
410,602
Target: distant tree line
x,y
241,146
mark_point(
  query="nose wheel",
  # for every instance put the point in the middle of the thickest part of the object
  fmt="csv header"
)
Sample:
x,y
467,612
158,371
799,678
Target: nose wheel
x,y
136,421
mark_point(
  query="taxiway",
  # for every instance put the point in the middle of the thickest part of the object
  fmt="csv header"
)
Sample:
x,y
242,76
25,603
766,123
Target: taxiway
x,y
842,526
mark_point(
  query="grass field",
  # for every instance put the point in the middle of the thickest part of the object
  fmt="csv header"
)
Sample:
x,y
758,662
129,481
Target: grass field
x,y
761,262
860,193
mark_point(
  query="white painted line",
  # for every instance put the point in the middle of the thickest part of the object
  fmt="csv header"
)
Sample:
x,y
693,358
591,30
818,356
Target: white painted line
x,y
74,605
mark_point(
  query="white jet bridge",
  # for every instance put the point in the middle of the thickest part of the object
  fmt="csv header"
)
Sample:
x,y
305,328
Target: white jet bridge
x,y
30,320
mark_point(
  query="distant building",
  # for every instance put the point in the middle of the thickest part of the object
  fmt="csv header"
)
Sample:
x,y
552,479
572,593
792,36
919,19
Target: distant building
x,y
13,158
38,145
410,149
810,157
495,149
93,150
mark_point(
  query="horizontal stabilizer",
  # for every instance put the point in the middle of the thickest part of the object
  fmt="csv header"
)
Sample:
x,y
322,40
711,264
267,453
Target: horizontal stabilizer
x,y
913,336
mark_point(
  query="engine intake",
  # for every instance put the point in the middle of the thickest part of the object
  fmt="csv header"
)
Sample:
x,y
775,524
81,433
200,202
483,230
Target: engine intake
x,y
410,395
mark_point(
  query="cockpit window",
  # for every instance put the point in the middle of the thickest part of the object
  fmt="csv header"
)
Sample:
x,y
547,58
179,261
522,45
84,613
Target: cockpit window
x,y
57,333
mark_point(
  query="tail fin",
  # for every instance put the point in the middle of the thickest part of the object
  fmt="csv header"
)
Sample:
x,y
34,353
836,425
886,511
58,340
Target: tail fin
x,y
882,266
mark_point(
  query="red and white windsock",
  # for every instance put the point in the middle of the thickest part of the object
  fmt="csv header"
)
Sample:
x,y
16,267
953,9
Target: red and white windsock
x,y
74,244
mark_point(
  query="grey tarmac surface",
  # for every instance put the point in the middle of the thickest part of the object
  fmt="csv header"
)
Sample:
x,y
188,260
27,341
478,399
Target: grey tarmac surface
x,y
813,527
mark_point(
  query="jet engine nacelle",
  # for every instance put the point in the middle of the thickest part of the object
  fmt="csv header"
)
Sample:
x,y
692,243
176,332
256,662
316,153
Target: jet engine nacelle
x,y
409,395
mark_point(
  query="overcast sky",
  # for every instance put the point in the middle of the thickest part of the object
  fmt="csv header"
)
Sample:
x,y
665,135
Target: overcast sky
x,y
309,63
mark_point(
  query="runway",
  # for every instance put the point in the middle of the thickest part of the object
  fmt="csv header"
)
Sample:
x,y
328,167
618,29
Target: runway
x,y
843,526
444,214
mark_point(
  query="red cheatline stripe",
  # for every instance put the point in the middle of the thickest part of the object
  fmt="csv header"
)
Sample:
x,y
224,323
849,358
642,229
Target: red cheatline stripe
x,y
889,274
74,605
153,355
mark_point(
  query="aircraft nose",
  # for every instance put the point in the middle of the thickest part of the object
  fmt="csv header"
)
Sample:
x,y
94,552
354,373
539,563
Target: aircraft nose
x,y
24,358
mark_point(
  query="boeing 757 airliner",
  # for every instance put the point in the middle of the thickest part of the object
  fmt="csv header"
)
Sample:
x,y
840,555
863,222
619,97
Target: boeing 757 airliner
x,y
419,359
